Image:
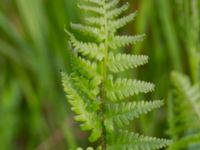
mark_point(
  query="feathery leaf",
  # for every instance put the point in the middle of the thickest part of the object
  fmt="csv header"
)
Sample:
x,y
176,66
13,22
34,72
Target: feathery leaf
x,y
91,50
121,62
112,4
132,141
122,41
85,29
117,11
121,114
116,24
90,120
122,88
99,21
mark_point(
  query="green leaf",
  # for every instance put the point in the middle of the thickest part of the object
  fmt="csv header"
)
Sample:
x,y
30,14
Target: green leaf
x,y
90,120
122,88
131,141
116,24
121,62
112,4
87,30
94,20
117,11
121,114
91,50
122,41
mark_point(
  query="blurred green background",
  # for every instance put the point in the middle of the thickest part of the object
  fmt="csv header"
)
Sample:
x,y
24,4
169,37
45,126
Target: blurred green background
x,y
34,114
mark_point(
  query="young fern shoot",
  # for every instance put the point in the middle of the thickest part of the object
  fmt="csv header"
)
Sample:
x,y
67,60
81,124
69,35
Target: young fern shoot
x,y
96,94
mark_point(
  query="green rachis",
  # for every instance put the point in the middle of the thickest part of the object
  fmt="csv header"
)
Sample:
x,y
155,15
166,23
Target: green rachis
x,y
94,89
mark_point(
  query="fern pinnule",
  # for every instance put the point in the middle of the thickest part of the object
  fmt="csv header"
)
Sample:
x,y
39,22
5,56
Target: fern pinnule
x,y
124,40
120,62
122,113
122,88
115,12
134,141
85,47
112,4
80,107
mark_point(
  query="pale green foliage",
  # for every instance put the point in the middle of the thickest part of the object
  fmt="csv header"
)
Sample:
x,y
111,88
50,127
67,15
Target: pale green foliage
x,y
79,105
122,88
122,113
132,141
184,108
121,62
121,41
84,48
95,93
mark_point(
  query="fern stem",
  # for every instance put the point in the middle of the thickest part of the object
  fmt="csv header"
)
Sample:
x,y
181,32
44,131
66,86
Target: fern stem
x,y
104,74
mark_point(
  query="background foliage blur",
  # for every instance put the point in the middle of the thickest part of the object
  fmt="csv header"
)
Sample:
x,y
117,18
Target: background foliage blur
x,y
33,50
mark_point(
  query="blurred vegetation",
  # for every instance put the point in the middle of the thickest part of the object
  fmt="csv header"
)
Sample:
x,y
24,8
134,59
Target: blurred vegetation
x,y
33,50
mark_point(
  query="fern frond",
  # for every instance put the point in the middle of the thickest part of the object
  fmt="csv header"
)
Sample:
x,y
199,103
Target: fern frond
x,y
117,11
121,62
116,24
91,90
132,141
90,121
121,114
122,88
122,41
91,50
